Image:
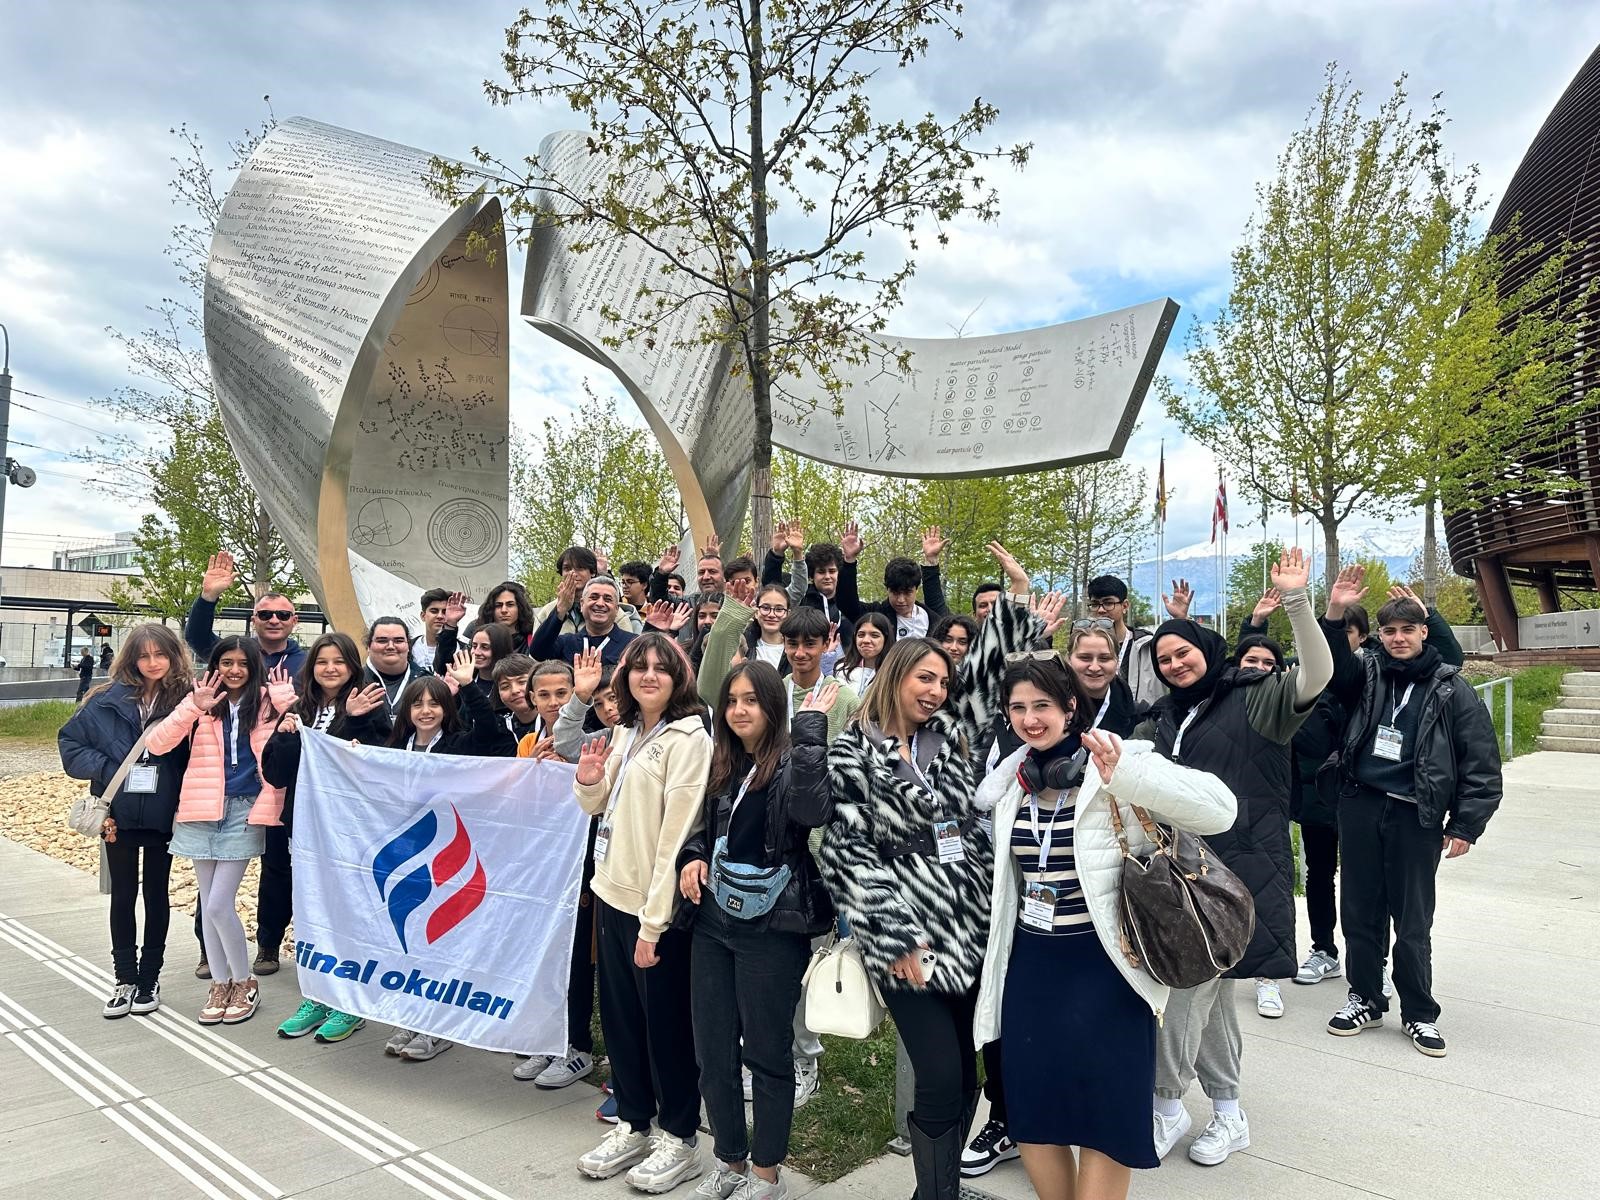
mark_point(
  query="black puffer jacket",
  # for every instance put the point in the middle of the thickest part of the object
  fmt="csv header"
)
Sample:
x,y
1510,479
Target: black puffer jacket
x,y
1457,783
798,800
96,739
1257,849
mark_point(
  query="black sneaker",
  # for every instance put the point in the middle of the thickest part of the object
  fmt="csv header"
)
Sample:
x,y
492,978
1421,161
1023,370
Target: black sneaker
x,y
1355,1016
992,1146
121,1002
203,969
266,962
146,998
1425,1037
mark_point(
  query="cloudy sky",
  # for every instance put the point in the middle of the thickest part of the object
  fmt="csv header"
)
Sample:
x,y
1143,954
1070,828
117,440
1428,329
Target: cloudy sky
x,y
1152,122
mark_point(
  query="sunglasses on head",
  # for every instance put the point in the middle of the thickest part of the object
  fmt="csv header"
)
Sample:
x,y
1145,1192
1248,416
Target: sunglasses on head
x,y
1105,623
1017,656
275,614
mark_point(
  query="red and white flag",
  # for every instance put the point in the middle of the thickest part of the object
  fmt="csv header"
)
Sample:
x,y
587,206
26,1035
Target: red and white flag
x,y
1219,511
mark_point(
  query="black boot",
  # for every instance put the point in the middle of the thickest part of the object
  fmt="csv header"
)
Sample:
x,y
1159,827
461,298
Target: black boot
x,y
937,1161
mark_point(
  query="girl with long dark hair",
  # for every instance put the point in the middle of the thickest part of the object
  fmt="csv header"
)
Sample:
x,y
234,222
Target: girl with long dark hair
x,y
649,786
149,678
874,635
225,805
767,790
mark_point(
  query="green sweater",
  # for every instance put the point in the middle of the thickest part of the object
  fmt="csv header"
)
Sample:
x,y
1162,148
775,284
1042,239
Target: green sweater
x,y
717,661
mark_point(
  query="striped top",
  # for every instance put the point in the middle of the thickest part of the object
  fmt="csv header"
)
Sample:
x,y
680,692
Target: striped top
x,y
1061,872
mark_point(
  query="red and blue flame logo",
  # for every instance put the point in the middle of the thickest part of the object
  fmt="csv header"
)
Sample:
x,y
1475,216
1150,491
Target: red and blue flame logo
x,y
446,871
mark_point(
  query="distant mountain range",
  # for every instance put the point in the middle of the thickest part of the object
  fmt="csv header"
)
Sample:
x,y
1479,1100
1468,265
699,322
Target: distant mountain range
x,y
1396,546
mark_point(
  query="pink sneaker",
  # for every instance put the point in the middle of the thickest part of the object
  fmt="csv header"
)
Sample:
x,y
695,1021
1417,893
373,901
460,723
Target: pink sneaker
x,y
243,1000
216,1006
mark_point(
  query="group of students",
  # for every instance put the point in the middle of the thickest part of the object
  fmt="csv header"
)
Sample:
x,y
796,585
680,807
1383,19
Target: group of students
x,y
768,761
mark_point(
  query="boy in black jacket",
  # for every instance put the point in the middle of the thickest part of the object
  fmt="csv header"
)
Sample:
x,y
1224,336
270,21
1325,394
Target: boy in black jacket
x,y
1421,778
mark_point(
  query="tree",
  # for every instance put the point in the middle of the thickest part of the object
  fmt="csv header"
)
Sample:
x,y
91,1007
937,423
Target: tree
x,y
1331,316
188,469
1244,590
1073,523
591,480
738,111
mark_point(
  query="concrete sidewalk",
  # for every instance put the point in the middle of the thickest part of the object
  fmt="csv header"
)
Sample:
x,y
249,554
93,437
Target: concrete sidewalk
x,y
161,1107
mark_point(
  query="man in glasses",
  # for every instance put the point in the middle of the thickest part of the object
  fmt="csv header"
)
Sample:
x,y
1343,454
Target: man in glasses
x,y
1108,599
389,660
272,621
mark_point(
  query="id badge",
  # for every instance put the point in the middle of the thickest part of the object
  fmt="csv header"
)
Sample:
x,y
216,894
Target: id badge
x,y
142,779
1039,907
602,841
1388,743
947,837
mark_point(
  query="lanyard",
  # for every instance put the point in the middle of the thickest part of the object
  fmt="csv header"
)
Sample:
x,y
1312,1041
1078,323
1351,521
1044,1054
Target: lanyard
x,y
1122,651
1049,830
739,798
825,611
393,698
1405,699
1104,704
637,744
233,735
810,692
1177,742
598,648
411,742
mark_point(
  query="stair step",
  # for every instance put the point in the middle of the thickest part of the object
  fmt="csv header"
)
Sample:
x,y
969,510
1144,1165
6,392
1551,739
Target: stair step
x,y
1595,675
1566,729
1580,689
1572,716
1580,702
1582,745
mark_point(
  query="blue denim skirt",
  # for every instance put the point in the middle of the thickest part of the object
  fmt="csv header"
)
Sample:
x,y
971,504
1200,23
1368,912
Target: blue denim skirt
x,y
231,838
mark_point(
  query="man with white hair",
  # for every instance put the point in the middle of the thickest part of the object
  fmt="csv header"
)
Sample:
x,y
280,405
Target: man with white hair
x,y
599,606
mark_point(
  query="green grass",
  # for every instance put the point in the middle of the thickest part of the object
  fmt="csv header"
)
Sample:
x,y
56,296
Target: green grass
x,y
1534,689
36,723
851,1118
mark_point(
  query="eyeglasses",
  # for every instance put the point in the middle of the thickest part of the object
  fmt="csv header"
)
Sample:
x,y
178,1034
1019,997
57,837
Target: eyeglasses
x,y
1104,603
1094,623
1017,656
772,610
392,641
275,614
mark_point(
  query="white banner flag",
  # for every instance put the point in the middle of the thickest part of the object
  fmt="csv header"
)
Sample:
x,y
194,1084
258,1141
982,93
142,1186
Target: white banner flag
x,y
438,892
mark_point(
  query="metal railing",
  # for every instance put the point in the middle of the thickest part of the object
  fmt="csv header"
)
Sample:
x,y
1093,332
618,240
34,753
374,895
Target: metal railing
x,y
1486,694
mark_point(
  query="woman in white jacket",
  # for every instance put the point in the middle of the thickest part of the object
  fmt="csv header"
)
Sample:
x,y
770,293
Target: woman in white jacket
x,y
1079,1019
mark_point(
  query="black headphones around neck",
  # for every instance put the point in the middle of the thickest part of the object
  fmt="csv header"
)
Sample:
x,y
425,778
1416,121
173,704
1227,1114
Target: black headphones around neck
x,y
1058,774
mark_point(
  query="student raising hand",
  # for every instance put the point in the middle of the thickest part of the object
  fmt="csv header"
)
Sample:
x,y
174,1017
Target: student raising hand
x,y
462,671
586,672
592,761
364,700
820,699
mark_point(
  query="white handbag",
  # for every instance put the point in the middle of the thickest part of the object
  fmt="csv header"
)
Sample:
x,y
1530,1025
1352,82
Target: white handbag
x,y
841,997
88,812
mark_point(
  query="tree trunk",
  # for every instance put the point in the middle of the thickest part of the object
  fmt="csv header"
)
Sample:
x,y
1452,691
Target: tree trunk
x,y
760,298
1430,556
1330,547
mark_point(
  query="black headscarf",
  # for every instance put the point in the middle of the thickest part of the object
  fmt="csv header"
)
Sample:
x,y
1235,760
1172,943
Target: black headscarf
x,y
1209,642
1409,670
1251,641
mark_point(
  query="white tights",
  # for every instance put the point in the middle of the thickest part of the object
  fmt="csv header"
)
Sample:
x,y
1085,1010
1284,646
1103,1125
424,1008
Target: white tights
x,y
220,926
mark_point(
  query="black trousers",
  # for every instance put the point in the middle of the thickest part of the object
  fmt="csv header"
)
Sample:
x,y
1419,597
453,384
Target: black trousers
x,y
649,1032
936,1030
1321,844
994,1084
128,879
275,895
746,981
580,980
1387,873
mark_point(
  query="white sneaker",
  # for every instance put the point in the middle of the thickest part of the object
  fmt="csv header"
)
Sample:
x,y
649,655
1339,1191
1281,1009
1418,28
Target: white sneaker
x,y
121,1002
398,1041
1221,1137
1269,998
806,1080
562,1071
1319,966
671,1161
423,1047
621,1147
1169,1129
721,1183
753,1187
991,1147
531,1068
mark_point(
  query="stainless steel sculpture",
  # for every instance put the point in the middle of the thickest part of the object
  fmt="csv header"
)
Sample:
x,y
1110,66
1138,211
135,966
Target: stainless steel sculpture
x,y
360,359
361,362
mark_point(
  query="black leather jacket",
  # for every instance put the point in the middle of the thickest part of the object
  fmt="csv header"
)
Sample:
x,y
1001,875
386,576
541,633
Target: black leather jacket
x,y
1457,782
799,799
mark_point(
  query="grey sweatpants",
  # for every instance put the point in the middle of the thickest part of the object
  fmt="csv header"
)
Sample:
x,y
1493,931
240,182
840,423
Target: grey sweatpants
x,y
1200,1037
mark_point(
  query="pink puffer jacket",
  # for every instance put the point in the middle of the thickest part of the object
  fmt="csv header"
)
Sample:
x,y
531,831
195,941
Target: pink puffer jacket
x,y
206,779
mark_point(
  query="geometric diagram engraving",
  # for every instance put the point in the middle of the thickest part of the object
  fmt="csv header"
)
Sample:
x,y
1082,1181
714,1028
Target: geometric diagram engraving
x,y
464,532
382,521
428,425
470,330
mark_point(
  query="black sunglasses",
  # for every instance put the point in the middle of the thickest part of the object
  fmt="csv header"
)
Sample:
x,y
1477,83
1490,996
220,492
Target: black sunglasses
x,y
275,614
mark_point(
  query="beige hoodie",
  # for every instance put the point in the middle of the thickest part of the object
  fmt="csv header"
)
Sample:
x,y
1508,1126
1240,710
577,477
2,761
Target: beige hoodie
x,y
657,808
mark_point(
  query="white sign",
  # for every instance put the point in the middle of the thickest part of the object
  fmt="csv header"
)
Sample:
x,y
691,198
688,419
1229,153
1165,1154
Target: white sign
x,y
438,893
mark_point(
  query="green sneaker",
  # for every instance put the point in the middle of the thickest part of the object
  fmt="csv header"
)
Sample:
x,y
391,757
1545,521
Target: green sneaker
x,y
338,1026
307,1017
